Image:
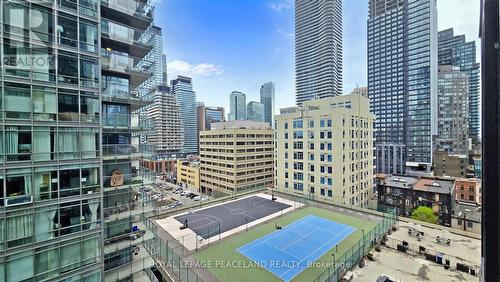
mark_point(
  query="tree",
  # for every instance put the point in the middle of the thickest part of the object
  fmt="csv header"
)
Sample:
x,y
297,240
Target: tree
x,y
425,214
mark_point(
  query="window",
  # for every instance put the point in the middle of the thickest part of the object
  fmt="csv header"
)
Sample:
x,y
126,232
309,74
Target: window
x,y
298,134
286,125
311,124
297,124
67,30
67,67
470,224
89,72
322,192
88,36
330,193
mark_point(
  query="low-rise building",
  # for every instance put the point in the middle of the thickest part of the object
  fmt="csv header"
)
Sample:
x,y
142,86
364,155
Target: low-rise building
x,y
466,217
468,190
324,149
452,165
188,173
406,193
236,156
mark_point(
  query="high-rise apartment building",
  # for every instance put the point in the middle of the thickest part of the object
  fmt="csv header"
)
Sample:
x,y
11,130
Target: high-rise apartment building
x,y
267,92
363,91
236,156
318,49
402,82
255,111
182,88
167,134
454,50
68,204
453,111
237,106
325,149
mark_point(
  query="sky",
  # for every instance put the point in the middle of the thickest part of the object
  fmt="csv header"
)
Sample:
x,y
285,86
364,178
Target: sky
x,y
228,45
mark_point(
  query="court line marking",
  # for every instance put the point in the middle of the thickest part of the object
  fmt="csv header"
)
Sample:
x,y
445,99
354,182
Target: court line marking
x,y
301,238
272,235
328,242
320,228
281,250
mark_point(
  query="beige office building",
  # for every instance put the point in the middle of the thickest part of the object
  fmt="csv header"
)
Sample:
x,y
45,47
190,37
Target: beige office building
x,y
325,149
236,156
188,173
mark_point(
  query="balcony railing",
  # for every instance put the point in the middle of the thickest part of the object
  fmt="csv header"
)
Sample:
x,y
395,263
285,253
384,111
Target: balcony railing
x,y
121,91
128,150
132,8
121,62
126,34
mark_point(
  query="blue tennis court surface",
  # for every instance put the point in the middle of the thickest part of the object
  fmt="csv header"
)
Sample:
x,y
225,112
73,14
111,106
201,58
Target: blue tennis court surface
x,y
287,252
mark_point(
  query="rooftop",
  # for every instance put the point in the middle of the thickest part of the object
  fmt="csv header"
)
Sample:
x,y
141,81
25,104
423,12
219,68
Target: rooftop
x,y
240,124
424,184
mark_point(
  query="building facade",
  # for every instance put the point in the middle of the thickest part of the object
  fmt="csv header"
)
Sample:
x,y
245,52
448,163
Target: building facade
x,y
188,173
318,63
182,88
447,164
70,149
324,150
402,82
237,106
454,50
255,111
407,193
164,114
267,93
209,115
468,190
453,111
236,156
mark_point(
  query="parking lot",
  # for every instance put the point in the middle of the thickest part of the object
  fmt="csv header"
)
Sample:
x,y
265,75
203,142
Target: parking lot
x,y
169,196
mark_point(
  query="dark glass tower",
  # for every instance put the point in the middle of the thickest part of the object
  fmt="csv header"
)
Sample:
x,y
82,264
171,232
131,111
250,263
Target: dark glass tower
x,y
454,50
402,82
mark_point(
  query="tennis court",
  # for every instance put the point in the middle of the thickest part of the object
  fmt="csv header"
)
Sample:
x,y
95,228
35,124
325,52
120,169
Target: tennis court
x,y
287,252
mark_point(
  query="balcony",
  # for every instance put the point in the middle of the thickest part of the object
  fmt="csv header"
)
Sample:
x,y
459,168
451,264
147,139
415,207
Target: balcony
x,y
123,93
135,42
134,13
135,151
123,63
131,122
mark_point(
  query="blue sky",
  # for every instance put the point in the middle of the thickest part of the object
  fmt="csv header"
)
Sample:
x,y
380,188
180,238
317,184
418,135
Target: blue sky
x,y
228,45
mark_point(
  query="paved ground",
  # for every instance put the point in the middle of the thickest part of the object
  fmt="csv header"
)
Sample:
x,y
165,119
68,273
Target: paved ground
x,y
461,247
404,267
218,219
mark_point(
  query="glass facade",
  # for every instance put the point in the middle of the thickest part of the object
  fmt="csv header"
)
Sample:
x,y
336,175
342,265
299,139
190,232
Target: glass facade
x,y
402,81
70,172
237,106
454,50
267,99
182,88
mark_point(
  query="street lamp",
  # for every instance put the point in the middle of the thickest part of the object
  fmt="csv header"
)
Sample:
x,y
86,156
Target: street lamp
x,y
334,263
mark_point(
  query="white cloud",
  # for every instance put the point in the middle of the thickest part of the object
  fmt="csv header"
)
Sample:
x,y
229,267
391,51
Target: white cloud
x,y
281,5
461,15
184,68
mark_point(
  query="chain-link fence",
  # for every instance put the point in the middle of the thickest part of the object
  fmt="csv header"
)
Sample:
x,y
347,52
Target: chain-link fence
x,y
172,254
353,255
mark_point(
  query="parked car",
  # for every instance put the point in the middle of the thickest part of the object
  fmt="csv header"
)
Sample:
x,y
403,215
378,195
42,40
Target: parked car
x,y
192,195
186,192
197,198
175,204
